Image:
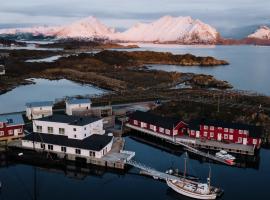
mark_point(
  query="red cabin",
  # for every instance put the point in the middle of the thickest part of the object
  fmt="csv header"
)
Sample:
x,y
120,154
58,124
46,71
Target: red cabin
x,y
158,124
11,127
226,132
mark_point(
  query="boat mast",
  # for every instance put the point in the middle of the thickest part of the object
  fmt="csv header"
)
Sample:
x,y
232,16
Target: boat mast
x,y
209,177
185,169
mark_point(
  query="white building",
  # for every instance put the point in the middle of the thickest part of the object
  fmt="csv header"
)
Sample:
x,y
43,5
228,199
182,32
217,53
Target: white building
x,y
73,105
82,137
2,70
36,110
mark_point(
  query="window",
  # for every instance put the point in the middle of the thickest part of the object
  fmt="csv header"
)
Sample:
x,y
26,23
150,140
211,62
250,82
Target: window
x,y
61,131
161,129
2,133
211,134
226,130
240,131
77,151
167,131
205,134
192,132
240,140
50,147
231,130
135,122
74,129
75,136
219,128
1,124
205,127
254,141
230,137
85,128
42,146
212,128
10,132
92,153
19,130
85,135
63,149
40,108
152,127
39,129
50,129
226,136
245,132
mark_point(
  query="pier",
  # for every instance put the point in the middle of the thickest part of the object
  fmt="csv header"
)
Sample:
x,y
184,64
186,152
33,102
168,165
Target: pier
x,y
190,144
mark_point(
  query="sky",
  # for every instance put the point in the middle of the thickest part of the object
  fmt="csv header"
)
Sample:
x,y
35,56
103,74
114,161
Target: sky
x,y
233,18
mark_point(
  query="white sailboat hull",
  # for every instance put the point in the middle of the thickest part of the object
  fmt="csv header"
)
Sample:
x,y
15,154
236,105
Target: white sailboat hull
x,y
189,193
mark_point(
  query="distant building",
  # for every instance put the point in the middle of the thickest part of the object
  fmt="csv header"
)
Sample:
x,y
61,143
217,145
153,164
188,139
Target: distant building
x,y
11,127
36,110
2,70
82,137
225,132
77,105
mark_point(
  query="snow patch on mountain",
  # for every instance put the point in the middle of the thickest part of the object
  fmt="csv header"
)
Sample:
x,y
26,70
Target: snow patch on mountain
x,y
170,29
262,33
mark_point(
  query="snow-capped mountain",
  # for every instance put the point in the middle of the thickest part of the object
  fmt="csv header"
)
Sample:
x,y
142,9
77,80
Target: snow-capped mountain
x,y
85,28
89,27
166,29
262,33
171,29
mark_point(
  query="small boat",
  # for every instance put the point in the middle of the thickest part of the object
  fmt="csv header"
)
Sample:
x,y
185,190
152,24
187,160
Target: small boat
x,y
225,156
194,189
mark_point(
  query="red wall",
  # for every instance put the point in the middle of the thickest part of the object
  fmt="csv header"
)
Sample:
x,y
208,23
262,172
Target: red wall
x,y
7,128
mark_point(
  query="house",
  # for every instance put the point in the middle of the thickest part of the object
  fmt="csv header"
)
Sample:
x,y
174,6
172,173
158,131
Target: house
x,y
36,110
226,132
11,127
82,137
77,105
2,70
157,124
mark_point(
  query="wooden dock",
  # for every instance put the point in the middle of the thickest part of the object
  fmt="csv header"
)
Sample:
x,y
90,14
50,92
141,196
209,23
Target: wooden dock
x,y
115,159
191,144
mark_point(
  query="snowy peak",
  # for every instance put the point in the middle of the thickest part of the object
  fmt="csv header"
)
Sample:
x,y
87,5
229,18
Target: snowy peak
x,y
171,29
262,33
85,28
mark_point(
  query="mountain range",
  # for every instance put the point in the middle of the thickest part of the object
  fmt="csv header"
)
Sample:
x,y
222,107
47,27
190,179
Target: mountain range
x,y
167,29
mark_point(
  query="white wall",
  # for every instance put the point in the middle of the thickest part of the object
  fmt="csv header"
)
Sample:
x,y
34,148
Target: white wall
x,y
38,112
71,131
77,107
69,150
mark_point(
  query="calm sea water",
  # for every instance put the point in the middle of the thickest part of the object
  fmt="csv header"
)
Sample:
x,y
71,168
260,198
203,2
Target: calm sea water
x,y
249,67
248,70
239,183
43,90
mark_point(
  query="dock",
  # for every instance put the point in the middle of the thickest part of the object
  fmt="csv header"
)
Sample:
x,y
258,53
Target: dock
x,y
117,158
191,144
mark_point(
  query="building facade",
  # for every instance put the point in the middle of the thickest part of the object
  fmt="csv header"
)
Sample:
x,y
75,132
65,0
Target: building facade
x,y
82,137
225,132
77,105
36,110
11,127
157,124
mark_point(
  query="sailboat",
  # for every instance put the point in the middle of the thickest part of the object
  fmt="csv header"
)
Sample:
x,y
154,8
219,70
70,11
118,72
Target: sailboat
x,y
194,189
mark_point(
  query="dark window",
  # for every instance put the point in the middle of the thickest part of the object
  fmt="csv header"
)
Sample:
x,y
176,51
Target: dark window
x,y
92,153
63,149
74,129
77,151
42,146
50,147
75,136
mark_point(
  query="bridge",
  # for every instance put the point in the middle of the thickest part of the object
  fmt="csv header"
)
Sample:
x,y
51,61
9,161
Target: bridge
x,y
152,172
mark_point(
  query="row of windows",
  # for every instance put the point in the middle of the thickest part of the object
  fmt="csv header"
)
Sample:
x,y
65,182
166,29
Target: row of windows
x,y
152,127
64,149
230,130
11,132
50,130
